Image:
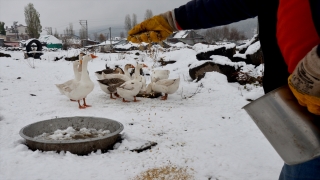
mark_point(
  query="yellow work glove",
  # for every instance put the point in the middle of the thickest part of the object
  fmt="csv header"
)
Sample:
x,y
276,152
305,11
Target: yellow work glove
x,y
304,82
155,29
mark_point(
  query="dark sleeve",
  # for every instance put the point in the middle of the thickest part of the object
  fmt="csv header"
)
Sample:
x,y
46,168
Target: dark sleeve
x,y
202,14
315,11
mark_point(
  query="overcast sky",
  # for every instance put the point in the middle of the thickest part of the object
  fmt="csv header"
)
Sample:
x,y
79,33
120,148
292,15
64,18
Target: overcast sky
x,y
100,14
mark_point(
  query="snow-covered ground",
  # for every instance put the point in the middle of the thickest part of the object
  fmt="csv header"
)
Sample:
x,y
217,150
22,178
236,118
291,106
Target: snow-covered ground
x,y
201,131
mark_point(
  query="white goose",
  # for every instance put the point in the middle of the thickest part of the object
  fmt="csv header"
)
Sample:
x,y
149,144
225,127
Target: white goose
x,y
129,90
166,86
82,88
159,74
125,76
138,76
77,70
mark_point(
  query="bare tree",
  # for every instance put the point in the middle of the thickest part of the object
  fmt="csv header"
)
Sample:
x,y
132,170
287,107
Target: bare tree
x,y
213,34
134,20
67,37
127,23
148,14
32,18
2,30
95,36
225,32
56,33
209,35
102,38
236,35
122,35
69,32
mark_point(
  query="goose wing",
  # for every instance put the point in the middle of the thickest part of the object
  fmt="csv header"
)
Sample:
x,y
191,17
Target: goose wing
x,y
111,81
166,82
128,85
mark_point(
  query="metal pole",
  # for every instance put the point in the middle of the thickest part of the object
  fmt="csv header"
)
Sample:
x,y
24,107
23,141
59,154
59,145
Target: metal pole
x,y
110,39
87,30
86,27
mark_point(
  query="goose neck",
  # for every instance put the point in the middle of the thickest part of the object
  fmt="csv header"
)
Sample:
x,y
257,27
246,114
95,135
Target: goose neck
x,y
84,75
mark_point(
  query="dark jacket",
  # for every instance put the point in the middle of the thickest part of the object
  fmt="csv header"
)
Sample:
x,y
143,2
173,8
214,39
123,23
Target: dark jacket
x,y
201,14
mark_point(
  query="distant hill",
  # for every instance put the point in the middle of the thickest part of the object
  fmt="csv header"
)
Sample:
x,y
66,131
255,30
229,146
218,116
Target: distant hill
x,y
249,26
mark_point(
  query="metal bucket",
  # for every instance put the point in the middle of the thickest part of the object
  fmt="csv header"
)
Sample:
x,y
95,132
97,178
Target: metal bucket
x,y
292,131
79,147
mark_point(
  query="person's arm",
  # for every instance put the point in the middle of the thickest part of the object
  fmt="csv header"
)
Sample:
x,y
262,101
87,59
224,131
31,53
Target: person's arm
x,y
195,14
201,14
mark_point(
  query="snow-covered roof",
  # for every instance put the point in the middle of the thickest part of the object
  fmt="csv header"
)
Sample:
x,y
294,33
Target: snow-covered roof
x,y
49,39
107,42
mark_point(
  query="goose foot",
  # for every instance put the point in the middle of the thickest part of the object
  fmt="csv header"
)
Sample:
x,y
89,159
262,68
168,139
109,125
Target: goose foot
x,y
81,107
165,97
116,94
135,100
84,103
123,100
112,97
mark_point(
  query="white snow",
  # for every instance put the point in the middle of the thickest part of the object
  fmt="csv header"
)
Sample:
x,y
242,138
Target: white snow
x,y
222,60
129,45
72,134
248,43
253,48
201,128
200,48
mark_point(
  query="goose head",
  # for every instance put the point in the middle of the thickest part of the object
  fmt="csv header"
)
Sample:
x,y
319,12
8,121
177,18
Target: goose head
x,y
81,57
140,65
128,66
88,57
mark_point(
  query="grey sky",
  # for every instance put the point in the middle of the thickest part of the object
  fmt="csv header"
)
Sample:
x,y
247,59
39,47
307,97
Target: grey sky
x,y
100,14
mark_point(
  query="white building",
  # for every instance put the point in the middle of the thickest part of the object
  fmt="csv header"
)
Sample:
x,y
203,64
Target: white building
x,y
16,32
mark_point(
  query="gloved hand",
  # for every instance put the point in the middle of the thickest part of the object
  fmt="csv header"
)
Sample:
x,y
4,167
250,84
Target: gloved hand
x,y
154,29
304,82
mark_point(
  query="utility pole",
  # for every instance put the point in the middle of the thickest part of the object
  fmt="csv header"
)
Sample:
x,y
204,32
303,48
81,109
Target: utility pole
x,y
84,24
110,39
15,26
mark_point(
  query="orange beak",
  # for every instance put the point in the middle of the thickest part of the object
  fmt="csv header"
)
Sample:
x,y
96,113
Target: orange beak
x,y
93,56
132,66
145,65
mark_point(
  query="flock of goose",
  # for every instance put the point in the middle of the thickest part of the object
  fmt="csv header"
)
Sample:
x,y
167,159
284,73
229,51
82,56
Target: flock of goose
x,y
117,82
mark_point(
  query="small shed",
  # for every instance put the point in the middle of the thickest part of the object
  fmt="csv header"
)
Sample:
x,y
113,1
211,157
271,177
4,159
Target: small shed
x,y
189,37
51,41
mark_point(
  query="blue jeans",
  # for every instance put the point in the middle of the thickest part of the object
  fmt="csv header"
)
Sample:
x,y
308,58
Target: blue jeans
x,y
309,170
